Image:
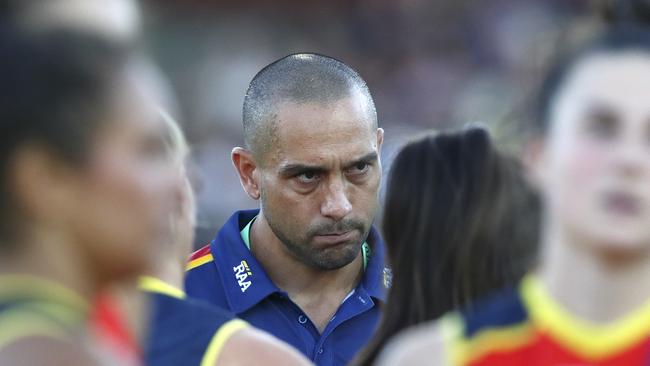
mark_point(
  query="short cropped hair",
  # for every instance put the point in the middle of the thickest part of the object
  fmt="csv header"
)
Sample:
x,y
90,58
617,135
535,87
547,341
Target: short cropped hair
x,y
298,78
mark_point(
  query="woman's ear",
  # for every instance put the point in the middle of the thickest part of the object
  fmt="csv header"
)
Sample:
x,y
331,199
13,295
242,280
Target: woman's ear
x,y
41,183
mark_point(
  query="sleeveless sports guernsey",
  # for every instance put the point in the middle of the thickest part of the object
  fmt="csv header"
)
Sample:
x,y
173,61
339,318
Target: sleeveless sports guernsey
x,y
184,331
525,326
30,306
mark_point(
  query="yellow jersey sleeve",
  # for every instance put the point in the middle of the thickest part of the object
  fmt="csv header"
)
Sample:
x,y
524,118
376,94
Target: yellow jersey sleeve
x,y
219,340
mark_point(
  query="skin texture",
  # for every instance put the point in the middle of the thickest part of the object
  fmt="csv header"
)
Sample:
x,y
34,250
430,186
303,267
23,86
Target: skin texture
x,y
420,346
593,171
318,187
268,350
42,351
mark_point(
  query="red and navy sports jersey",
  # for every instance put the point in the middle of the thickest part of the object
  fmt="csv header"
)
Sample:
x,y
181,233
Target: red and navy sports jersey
x,y
525,326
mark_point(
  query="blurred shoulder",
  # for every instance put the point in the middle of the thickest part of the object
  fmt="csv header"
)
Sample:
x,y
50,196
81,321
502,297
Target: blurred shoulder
x,y
425,344
40,350
250,346
458,335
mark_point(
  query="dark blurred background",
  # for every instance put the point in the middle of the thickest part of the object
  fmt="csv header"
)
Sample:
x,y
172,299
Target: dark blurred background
x,y
429,64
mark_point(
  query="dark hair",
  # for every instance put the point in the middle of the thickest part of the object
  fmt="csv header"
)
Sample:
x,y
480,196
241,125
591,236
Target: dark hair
x,y
301,78
459,222
627,30
53,88
621,12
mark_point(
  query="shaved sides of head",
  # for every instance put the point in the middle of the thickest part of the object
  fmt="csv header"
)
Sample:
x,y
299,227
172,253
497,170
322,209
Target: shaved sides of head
x,y
298,78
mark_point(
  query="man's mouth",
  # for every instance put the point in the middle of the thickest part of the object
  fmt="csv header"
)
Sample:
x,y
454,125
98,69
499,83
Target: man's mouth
x,y
331,239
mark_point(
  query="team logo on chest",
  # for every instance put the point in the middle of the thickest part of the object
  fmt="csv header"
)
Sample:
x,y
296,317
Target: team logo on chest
x,y
388,277
242,274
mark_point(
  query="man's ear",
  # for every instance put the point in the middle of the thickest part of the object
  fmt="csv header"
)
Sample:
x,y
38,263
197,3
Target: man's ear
x,y
246,168
380,139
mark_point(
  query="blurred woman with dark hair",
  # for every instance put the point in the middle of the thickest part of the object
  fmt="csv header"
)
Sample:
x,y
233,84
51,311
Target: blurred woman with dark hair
x,y
451,205
84,187
588,300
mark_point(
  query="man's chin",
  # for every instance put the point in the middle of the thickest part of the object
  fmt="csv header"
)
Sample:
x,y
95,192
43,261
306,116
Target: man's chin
x,y
336,257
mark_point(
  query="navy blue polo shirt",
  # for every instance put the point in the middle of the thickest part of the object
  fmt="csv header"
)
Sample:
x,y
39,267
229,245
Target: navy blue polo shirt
x,y
226,274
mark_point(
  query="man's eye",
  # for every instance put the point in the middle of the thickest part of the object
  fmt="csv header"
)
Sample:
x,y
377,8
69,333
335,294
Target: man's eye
x,y
359,168
308,177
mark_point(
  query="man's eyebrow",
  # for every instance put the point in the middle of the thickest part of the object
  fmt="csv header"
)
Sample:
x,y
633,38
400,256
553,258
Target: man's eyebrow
x,y
369,158
295,169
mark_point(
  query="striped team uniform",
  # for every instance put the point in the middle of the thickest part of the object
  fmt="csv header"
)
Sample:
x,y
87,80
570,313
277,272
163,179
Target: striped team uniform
x,y
525,326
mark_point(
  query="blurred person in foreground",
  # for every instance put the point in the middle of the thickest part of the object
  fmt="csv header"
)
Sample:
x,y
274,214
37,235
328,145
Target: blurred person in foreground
x,y
161,327
119,20
451,202
588,302
307,266
182,331
83,178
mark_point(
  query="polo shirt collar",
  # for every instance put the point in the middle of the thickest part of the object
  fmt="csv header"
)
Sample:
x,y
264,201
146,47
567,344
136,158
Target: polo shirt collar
x,y
245,281
378,277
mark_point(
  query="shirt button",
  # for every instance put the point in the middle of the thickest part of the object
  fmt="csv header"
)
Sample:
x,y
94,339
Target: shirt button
x,y
302,319
320,351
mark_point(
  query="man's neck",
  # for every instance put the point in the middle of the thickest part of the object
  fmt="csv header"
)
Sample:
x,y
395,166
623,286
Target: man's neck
x,y
591,285
318,292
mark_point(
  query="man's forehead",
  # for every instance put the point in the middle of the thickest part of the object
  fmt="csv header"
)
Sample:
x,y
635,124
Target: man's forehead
x,y
310,128
312,119
325,152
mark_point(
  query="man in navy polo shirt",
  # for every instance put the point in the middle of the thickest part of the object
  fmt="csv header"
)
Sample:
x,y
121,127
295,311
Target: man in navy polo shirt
x,y
307,266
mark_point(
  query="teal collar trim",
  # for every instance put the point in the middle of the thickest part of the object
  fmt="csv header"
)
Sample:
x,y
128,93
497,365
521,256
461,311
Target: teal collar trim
x,y
365,249
246,237
246,233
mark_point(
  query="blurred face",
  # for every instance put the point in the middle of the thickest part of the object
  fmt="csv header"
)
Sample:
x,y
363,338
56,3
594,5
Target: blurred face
x,y
319,183
596,167
183,220
128,188
113,18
